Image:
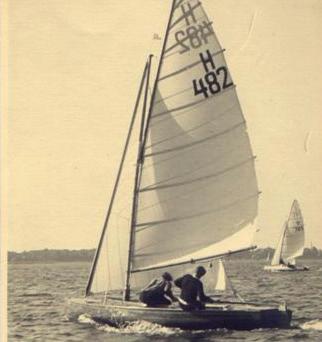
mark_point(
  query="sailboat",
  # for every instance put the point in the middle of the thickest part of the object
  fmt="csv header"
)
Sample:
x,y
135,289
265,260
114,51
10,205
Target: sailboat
x,y
194,190
291,243
268,258
223,283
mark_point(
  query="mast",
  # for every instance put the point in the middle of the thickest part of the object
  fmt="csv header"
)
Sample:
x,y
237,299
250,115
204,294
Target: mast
x,y
98,250
126,294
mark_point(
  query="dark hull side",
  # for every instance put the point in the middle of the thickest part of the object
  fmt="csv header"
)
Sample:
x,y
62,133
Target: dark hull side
x,y
235,316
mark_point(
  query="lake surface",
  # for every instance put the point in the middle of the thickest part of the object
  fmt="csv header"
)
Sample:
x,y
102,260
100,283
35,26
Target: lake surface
x,y
37,295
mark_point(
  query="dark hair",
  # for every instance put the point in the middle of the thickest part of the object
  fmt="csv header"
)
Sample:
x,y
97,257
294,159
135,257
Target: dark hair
x,y
167,276
200,271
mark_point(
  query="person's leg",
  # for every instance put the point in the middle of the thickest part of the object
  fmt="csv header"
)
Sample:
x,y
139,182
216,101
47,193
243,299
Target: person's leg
x,y
146,299
164,301
152,300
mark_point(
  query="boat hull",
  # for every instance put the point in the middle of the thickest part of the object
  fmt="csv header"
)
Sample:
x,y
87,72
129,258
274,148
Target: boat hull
x,y
285,268
237,316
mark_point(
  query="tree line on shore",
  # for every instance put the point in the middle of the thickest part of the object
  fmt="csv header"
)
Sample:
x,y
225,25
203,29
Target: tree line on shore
x,y
66,255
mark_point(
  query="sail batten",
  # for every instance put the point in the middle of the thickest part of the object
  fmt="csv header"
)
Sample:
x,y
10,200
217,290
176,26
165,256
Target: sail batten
x,y
184,16
196,180
186,68
201,141
202,213
210,252
187,105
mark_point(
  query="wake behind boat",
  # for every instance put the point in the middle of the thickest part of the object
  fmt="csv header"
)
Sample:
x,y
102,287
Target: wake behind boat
x,y
195,193
290,245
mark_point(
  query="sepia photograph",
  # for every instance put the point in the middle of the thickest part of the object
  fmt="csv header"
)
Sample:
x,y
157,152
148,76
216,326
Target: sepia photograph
x,y
161,170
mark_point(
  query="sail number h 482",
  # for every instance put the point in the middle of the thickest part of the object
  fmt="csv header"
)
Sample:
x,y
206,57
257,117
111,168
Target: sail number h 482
x,y
209,83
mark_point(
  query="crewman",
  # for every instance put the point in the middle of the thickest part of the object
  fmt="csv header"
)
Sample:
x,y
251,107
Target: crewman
x,y
192,295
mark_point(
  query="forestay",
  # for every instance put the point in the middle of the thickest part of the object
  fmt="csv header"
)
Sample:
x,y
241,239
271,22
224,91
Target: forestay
x,y
198,188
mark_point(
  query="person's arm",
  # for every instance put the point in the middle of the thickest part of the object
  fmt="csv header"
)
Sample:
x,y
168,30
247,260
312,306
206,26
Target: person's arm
x,y
202,297
169,293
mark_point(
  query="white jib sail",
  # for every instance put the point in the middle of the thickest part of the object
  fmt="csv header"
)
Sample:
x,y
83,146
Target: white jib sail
x,y
198,187
276,260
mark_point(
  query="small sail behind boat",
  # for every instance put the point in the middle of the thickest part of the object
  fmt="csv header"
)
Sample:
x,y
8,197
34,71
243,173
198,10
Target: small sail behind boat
x,y
222,281
218,280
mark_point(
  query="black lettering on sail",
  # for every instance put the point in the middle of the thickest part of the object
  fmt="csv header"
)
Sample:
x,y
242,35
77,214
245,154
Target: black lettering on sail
x,y
207,59
188,13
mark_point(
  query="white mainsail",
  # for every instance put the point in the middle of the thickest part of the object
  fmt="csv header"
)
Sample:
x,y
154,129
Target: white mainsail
x,y
197,190
291,242
198,185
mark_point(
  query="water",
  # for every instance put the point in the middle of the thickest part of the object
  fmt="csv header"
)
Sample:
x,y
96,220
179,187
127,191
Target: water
x,y
37,294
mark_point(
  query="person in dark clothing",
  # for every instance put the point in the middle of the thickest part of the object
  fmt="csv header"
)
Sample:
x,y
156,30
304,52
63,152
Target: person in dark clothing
x,y
158,292
192,295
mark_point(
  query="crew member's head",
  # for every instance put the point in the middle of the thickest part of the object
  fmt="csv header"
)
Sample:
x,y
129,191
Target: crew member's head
x,y
200,272
167,276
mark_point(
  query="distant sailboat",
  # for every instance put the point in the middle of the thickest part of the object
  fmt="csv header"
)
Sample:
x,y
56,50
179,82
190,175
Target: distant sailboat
x,y
268,258
223,283
194,189
291,243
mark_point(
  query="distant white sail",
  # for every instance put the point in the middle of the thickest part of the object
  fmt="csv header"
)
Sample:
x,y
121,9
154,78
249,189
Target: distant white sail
x,y
222,282
291,242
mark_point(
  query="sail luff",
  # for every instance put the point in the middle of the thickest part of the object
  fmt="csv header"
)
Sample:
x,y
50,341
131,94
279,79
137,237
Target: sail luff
x,y
104,229
126,294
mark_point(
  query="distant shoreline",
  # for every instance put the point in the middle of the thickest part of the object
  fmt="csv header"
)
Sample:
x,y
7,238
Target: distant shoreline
x,y
87,255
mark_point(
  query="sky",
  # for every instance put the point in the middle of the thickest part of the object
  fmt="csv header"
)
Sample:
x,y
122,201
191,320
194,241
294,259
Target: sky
x,y
73,74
